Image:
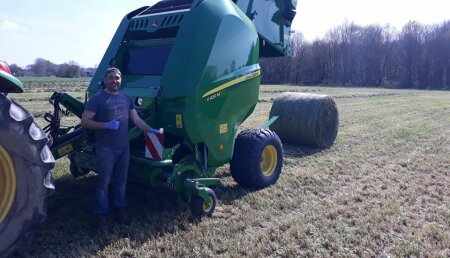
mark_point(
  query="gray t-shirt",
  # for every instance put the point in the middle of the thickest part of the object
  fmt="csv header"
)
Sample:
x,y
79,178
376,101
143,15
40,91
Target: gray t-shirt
x,y
109,107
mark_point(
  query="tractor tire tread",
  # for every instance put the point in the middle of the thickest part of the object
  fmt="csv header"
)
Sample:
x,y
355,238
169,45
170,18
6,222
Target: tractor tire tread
x,y
32,164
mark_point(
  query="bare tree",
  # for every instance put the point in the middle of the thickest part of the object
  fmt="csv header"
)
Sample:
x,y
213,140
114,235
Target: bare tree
x,y
16,70
411,42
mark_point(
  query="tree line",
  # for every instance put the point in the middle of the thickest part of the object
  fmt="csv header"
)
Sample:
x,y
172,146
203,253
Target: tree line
x,y
43,67
418,56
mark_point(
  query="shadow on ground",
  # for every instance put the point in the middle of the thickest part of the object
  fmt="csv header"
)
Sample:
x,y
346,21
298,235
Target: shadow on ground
x,y
297,151
68,230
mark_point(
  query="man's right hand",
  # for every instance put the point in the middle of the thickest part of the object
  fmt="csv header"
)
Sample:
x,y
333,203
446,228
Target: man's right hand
x,y
113,125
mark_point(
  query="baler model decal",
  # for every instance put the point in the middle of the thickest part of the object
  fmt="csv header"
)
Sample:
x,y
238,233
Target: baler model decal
x,y
233,82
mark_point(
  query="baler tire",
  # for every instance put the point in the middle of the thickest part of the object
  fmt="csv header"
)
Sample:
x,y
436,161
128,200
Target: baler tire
x,y
257,158
78,171
26,181
198,207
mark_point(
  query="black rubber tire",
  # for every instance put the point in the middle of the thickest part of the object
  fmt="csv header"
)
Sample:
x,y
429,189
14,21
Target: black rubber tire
x,y
246,167
199,209
26,145
78,171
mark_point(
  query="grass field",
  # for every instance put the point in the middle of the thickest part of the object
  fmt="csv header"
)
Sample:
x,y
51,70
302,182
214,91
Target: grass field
x,y
382,190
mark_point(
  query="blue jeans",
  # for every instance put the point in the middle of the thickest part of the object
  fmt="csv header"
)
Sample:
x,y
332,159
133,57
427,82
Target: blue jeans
x,y
112,168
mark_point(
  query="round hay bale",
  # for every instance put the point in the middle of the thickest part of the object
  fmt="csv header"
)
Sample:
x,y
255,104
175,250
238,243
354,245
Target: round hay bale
x,y
305,119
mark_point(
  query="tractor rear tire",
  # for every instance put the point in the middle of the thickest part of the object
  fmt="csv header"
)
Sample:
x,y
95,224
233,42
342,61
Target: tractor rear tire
x,y
25,176
257,158
198,206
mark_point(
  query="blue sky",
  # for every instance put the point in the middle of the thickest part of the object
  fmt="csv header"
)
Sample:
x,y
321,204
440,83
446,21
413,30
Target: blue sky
x,y
80,31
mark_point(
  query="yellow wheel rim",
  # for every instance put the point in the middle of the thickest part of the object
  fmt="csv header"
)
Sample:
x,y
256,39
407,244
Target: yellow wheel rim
x,y
207,207
7,183
269,160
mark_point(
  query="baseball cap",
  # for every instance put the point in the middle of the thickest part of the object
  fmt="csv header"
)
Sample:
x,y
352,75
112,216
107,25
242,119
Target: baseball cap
x,y
112,70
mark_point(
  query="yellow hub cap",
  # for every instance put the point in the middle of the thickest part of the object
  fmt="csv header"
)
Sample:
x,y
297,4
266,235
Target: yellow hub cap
x,y
7,183
207,207
269,160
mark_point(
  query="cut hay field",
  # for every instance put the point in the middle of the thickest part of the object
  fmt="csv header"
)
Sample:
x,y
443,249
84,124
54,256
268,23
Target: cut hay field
x,y
382,190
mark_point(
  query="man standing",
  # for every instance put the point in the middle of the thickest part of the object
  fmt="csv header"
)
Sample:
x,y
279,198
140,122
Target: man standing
x,y
107,112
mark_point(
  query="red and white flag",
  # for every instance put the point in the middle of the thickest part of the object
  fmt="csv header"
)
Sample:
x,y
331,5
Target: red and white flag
x,y
154,145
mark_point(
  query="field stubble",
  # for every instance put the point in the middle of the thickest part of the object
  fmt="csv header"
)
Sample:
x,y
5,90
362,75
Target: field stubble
x,y
381,190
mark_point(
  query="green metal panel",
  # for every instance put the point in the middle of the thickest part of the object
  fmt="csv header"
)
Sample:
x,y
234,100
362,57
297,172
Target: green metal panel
x,y
72,104
9,83
108,59
221,54
272,19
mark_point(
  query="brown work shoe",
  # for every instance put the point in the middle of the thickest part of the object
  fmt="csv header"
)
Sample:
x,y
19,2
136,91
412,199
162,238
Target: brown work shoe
x,y
123,217
101,224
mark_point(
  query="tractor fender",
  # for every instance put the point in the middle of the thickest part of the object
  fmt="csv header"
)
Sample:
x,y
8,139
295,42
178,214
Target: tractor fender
x,y
8,83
